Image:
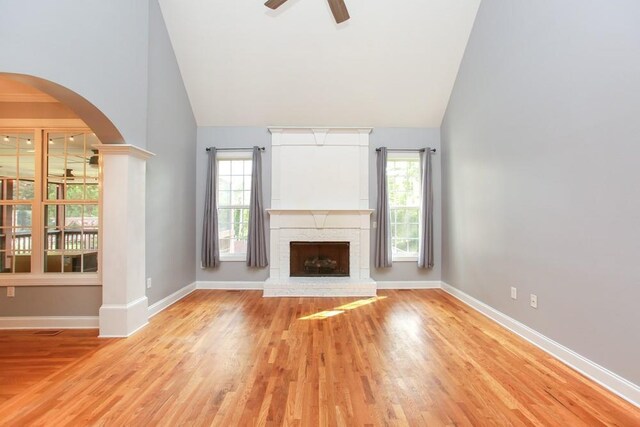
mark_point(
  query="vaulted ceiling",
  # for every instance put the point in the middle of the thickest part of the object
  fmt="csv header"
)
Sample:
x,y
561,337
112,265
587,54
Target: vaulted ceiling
x,y
393,63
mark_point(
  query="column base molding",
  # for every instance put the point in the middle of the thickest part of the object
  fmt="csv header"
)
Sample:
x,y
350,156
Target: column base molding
x,y
123,320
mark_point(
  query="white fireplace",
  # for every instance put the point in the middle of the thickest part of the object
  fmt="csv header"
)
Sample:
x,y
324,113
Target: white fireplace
x,y
320,193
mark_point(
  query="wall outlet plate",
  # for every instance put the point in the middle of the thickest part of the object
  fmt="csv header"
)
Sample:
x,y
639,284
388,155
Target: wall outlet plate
x,y
11,291
533,301
149,283
514,293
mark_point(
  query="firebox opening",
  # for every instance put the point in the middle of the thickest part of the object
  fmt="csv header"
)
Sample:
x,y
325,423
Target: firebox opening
x,y
319,259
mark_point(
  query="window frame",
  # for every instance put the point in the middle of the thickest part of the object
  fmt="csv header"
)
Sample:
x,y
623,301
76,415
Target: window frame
x,y
413,156
226,156
37,276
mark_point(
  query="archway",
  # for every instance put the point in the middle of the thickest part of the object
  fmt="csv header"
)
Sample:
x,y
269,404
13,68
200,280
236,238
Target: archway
x,y
122,180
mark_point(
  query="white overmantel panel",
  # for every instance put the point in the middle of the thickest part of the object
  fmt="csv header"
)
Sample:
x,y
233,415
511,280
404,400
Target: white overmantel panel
x,y
320,168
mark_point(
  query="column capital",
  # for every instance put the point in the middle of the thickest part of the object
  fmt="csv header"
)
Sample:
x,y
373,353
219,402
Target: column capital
x,y
123,149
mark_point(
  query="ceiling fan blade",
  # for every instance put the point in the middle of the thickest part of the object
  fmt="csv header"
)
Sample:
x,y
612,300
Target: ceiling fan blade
x,y
339,10
274,4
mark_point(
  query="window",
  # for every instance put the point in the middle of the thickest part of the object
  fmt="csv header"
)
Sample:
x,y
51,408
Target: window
x,y
403,180
49,202
234,192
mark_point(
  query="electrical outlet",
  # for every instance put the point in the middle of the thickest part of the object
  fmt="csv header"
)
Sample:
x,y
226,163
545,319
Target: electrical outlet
x,y
533,301
375,224
11,291
149,283
514,293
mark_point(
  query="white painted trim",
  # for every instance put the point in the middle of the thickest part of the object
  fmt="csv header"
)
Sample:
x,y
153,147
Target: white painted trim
x,y
123,320
609,380
50,279
167,301
49,322
124,149
231,286
395,284
280,129
405,258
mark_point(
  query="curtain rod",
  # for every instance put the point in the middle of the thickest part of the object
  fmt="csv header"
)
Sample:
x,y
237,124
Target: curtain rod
x,y
235,149
414,150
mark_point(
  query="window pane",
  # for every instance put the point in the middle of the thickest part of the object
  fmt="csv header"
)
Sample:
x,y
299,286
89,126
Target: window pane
x,y
236,198
237,183
236,168
52,263
233,201
224,183
224,198
413,246
404,199
224,167
92,191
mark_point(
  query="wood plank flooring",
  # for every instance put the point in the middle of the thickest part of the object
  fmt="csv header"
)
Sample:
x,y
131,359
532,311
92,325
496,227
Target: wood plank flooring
x,y
234,359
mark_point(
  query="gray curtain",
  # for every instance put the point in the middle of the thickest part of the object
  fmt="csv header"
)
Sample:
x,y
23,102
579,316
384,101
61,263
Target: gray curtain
x,y
257,242
425,255
383,231
210,253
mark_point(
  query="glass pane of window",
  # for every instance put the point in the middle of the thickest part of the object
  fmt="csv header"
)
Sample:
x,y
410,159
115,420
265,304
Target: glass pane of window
x,y
403,176
52,262
234,181
15,238
224,167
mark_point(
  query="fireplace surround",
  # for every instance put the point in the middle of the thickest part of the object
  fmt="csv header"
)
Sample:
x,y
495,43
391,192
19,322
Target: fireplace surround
x,y
320,196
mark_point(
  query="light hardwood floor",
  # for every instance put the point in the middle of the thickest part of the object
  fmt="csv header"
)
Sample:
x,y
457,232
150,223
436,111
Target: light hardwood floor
x,y
233,358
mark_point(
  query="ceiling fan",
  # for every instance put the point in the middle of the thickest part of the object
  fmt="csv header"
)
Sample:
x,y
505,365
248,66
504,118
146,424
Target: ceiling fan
x,y
338,8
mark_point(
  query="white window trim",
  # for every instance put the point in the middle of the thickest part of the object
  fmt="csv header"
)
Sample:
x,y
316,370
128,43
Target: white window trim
x,y
405,258
45,279
233,155
240,257
404,156
51,279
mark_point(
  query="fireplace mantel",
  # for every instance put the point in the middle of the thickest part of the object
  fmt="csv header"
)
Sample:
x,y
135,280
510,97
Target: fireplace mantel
x,y
320,193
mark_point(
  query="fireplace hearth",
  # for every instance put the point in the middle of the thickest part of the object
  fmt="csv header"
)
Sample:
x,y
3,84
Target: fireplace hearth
x,y
319,259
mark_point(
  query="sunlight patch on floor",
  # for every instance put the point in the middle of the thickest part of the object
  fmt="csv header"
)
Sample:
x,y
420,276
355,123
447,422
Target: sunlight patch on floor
x,y
339,310
322,315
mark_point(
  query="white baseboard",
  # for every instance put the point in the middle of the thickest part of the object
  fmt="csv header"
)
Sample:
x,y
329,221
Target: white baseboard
x,y
245,286
425,284
49,322
609,380
231,286
168,301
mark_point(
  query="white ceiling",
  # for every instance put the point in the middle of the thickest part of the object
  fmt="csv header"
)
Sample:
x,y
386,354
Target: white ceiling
x,y
393,64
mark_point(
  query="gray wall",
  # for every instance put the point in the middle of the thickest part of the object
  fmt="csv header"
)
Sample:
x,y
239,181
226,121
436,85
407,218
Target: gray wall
x,y
228,137
96,48
51,301
171,176
107,64
540,169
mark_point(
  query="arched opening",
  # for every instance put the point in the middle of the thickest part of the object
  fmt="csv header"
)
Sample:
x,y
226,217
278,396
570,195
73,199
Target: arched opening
x,y
49,183
23,89
71,204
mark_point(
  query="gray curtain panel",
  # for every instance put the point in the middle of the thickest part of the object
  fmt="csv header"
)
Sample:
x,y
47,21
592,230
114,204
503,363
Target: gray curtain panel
x,y
425,255
383,231
257,241
210,253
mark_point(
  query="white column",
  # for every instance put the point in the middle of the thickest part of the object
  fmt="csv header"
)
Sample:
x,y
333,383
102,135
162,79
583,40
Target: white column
x,y
124,302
